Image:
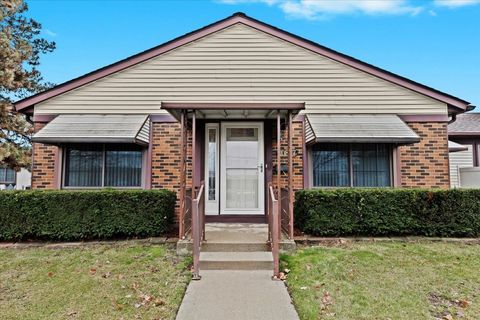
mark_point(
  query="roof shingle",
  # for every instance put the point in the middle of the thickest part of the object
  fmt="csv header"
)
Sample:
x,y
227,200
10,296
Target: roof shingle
x,y
466,124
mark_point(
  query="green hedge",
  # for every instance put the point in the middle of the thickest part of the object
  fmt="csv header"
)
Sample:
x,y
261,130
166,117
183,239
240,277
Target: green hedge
x,y
388,212
80,215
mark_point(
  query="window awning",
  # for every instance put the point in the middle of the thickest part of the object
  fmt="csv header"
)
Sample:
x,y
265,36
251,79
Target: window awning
x,y
456,147
93,128
364,128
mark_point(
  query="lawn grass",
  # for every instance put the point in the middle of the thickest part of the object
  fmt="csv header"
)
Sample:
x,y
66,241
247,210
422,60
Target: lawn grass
x,y
386,281
94,282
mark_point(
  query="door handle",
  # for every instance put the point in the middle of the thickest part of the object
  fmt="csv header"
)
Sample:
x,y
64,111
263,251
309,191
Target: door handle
x,y
261,167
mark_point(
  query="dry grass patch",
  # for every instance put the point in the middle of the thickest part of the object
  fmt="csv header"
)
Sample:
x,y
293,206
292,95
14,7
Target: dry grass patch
x,y
98,282
386,281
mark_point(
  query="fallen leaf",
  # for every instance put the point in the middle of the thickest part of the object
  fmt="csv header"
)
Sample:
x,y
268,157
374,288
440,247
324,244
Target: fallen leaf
x,y
286,271
119,306
159,302
93,271
318,285
326,299
137,305
463,303
308,267
106,275
303,288
50,274
448,317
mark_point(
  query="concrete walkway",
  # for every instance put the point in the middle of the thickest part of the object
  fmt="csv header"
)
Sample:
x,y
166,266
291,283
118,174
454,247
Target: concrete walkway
x,y
234,294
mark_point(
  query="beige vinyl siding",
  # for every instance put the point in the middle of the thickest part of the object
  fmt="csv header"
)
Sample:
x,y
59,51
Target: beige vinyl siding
x,y
459,159
241,64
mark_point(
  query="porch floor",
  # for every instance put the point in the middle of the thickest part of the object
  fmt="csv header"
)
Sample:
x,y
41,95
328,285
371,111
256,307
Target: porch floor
x,y
236,232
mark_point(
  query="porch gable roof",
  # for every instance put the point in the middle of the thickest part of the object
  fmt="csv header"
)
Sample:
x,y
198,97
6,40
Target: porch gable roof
x,y
455,104
217,110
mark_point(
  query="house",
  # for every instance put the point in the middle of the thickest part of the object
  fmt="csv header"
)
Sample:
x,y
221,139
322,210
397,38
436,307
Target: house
x,y
464,132
11,179
219,108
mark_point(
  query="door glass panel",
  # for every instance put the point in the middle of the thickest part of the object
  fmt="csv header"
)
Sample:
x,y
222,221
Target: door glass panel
x,y
242,148
242,188
242,134
212,156
242,168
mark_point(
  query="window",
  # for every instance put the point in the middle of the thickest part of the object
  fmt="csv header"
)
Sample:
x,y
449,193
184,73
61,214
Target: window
x,y
351,165
212,163
7,176
103,165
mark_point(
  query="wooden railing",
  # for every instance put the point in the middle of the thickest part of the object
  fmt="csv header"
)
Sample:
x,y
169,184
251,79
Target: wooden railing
x,y
274,229
198,229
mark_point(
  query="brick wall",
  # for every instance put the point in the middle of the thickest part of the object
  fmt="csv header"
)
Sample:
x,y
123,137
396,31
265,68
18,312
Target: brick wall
x,y
166,150
43,166
425,164
297,144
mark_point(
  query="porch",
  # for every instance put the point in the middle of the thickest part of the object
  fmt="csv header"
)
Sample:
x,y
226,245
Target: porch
x,y
236,182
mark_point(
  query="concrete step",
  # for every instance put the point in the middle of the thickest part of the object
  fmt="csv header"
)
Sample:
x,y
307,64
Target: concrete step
x,y
235,246
184,247
257,260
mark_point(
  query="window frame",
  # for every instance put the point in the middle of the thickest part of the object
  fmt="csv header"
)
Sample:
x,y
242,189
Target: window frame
x,y
6,182
390,151
64,169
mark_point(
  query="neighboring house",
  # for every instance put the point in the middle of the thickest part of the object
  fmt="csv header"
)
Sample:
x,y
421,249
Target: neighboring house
x,y
465,156
216,105
9,179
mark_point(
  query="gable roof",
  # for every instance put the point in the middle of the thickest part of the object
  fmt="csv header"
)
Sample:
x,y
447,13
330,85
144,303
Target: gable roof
x,y
455,104
467,124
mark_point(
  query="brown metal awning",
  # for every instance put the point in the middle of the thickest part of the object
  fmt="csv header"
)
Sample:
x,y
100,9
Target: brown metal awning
x,y
233,110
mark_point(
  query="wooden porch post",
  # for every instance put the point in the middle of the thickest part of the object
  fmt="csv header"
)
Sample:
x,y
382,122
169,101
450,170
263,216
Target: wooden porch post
x,y
290,175
279,171
183,167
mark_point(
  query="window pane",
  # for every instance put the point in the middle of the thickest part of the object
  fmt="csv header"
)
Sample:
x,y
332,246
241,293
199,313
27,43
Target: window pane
x,y
371,165
10,175
123,166
242,134
7,175
331,165
84,166
212,158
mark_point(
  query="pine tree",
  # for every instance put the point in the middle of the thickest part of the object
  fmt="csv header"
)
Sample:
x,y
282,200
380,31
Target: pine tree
x,y
20,50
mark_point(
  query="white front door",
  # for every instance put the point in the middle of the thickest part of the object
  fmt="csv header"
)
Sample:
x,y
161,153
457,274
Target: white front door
x,y
242,168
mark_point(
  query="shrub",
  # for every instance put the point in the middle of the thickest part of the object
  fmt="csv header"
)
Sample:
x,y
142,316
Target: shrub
x,y
388,212
80,215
